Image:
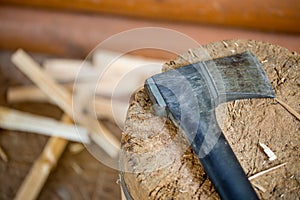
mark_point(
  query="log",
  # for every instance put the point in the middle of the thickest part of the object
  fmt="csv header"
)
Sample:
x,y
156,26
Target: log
x,y
271,15
158,163
100,134
76,34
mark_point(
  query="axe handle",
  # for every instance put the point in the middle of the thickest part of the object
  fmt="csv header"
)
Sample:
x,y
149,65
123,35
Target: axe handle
x,y
219,162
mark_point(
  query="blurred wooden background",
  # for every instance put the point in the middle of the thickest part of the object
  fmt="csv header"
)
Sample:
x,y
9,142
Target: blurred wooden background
x,y
73,28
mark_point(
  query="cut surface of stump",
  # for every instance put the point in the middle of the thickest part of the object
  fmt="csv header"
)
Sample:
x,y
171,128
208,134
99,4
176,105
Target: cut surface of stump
x,y
159,164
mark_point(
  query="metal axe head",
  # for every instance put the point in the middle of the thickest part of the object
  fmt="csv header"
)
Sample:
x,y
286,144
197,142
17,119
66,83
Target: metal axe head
x,y
208,83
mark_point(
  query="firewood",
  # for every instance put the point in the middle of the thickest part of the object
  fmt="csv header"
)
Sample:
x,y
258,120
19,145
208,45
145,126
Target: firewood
x,y
104,108
21,121
99,133
64,70
38,174
106,72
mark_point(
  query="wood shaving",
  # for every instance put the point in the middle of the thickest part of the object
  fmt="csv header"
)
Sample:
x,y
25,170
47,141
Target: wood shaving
x,y
266,171
288,108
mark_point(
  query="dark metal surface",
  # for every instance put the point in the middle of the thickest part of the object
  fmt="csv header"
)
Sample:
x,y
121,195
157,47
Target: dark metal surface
x,y
189,95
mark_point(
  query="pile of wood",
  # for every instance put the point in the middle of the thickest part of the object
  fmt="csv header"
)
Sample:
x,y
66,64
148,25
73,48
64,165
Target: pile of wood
x,y
53,83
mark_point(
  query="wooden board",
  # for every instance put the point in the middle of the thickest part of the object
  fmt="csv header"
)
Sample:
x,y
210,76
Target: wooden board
x,y
160,163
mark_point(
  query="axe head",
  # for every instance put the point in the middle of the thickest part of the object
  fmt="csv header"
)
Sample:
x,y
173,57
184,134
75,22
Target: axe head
x,y
204,85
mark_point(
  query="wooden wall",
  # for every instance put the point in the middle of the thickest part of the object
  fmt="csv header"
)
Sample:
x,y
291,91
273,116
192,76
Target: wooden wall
x,y
74,28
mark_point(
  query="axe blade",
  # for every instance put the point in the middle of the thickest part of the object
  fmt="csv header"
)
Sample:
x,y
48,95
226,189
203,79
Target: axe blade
x,y
212,82
238,77
189,95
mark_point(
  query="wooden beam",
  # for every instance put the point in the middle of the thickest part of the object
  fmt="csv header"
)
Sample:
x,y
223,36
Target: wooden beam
x,y
271,15
76,34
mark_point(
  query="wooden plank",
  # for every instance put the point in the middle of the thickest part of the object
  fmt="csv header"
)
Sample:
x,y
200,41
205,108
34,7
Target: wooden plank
x,y
21,121
76,34
272,15
38,174
100,135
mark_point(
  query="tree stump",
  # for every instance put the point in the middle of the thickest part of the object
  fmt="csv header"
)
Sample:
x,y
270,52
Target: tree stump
x,y
159,164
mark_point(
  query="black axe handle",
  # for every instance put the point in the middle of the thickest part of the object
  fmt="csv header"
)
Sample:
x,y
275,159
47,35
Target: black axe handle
x,y
219,161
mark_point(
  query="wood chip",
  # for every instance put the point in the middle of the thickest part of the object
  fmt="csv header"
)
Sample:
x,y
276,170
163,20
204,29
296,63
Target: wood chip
x,y
76,148
259,187
271,155
76,168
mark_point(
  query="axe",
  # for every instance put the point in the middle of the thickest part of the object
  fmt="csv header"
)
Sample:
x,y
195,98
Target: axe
x,y
189,95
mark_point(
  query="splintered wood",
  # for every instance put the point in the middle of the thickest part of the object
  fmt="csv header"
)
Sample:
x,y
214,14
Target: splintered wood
x,y
271,155
43,125
54,84
3,155
104,108
289,108
266,171
42,167
63,99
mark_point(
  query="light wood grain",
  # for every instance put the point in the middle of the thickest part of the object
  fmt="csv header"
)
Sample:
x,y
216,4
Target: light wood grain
x,y
103,107
99,133
21,121
64,70
38,174
288,108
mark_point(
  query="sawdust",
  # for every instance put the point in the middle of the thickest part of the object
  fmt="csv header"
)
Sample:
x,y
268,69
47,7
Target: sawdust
x,y
164,167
